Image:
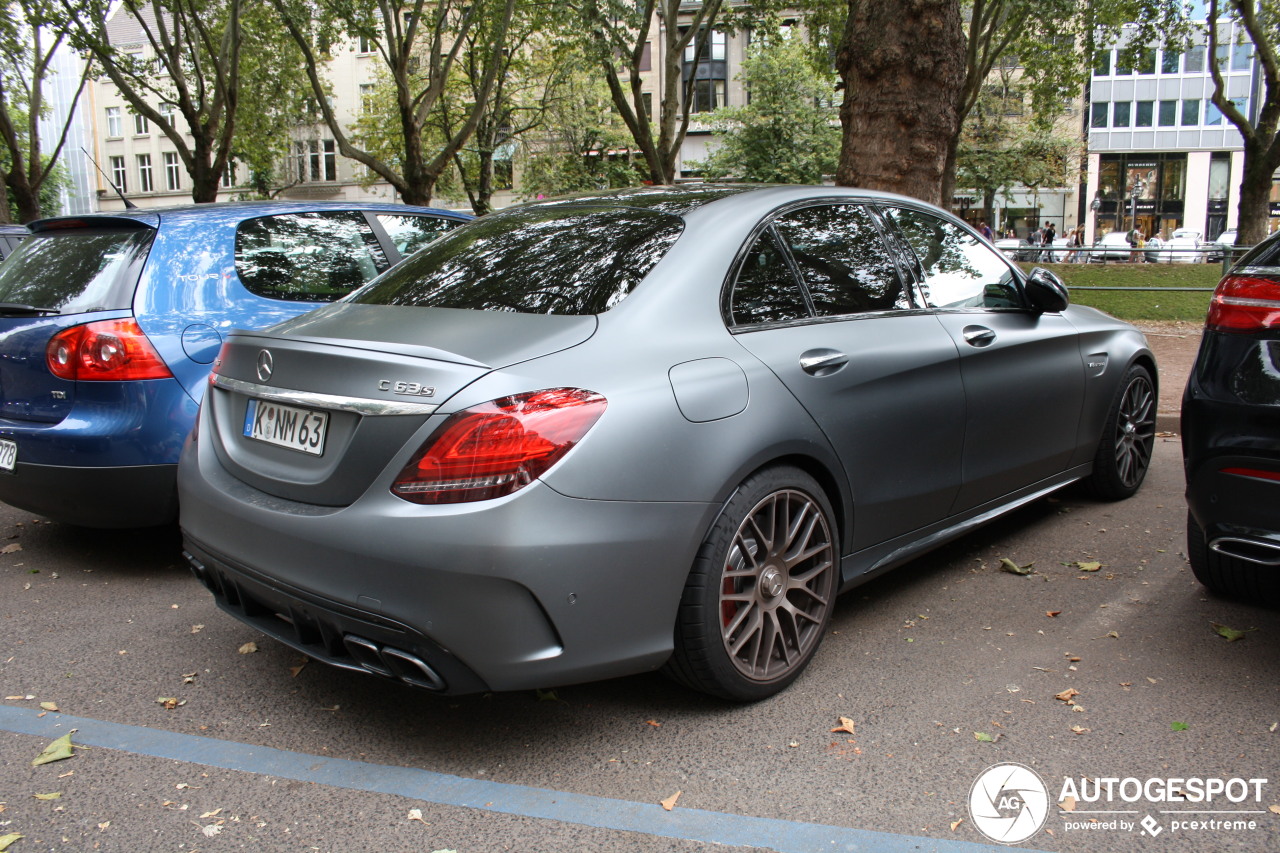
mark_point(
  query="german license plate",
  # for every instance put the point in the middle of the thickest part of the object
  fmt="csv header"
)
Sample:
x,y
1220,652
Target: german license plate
x,y
8,454
303,430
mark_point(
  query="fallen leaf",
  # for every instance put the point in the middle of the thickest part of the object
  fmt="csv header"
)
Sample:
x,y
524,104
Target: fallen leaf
x,y
55,751
1052,613
1274,809
1068,804
1088,567
196,629
1066,695
211,830
170,702
670,802
1230,634
248,648
49,706
213,813
416,814
6,840
983,737
10,549
654,723
1010,566
189,677
56,795
956,823
294,670
547,696
1179,727
846,725
102,827
1080,730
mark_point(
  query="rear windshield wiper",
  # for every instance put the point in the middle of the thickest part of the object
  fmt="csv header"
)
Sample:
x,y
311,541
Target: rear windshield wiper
x,y
15,309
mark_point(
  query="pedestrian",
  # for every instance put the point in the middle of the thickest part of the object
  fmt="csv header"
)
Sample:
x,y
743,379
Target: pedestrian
x,y
985,230
1074,239
1047,237
1135,242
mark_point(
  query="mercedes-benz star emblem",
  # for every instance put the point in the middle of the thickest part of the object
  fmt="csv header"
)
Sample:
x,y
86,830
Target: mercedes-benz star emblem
x,y
265,365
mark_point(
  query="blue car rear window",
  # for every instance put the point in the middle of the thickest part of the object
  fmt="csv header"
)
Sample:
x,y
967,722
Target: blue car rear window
x,y
544,260
74,271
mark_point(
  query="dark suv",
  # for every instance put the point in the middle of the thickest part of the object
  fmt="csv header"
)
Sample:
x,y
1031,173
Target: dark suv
x,y
1231,434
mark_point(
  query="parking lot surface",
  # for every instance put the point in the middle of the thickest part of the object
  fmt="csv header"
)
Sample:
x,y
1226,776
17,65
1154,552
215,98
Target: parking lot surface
x,y
196,733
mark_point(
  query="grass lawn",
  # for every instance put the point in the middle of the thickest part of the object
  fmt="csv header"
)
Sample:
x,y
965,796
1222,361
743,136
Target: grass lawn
x,y
1140,304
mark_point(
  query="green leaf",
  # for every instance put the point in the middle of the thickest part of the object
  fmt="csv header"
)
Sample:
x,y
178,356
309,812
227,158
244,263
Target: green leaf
x,y
983,737
1231,634
56,751
6,840
1088,567
547,696
1179,727
1013,568
56,795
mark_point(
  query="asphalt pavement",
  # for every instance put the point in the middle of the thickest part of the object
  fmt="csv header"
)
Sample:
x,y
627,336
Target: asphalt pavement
x,y
194,732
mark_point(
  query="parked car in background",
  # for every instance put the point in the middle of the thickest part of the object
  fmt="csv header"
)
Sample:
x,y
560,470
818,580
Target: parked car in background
x,y
1113,246
10,237
1016,249
1231,434
1184,246
655,428
1226,241
110,323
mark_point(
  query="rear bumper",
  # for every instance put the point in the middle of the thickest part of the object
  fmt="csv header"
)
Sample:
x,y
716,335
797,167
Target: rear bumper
x,y
132,496
532,590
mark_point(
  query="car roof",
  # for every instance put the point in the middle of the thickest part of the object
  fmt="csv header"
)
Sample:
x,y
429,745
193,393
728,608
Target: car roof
x,y
234,211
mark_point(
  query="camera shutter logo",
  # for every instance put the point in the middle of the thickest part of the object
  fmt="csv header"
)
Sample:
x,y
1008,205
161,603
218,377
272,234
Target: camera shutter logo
x,y
1009,803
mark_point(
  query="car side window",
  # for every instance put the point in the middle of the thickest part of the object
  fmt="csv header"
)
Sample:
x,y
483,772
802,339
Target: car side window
x,y
307,257
410,233
960,271
843,260
766,290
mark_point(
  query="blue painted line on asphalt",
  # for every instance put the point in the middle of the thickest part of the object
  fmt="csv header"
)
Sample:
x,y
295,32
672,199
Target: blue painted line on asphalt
x,y
427,786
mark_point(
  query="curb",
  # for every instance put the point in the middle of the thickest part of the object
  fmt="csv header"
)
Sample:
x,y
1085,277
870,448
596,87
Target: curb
x,y
1168,422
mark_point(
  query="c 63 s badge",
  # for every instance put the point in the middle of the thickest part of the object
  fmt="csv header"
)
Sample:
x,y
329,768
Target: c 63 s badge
x,y
408,389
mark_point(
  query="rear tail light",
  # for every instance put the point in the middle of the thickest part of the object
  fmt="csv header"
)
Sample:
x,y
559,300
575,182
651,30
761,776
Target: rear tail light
x,y
496,448
108,350
1243,303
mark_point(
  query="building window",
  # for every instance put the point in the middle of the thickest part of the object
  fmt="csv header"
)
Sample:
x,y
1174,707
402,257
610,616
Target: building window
x,y
366,44
172,171
145,184
114,127
1241,57
714,49
1191,112
1147,61
1169,62
314,160
1102,64
708,95
1146,110
1195,60
118,175
366,97
1120,114
1098,118
141,127
229,175
166,111
1168,113
710,76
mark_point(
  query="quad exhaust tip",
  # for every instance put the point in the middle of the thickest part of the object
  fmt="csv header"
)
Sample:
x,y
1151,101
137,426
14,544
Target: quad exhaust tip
x,y
394,663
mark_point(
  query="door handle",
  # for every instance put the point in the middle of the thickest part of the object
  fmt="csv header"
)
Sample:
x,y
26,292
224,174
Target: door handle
x,y
978,336
822,362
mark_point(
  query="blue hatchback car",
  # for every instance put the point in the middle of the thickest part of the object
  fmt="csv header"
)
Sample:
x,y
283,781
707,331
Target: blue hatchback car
x,y
110,323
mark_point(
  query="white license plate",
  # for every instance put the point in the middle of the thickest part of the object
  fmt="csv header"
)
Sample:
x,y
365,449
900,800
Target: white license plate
x,y
8,454
286,426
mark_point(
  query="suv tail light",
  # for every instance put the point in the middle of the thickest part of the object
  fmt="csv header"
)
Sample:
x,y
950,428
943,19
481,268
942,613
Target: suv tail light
x,y
499,447
1244,303
108,350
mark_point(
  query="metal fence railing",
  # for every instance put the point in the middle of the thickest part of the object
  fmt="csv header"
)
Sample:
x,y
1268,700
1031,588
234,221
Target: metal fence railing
x,y
1211,253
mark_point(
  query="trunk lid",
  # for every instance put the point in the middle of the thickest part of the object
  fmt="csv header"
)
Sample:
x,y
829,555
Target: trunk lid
x,y
366,378
67,272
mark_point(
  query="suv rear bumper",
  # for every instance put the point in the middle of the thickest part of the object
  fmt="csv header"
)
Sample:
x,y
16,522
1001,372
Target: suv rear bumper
x,y
131,496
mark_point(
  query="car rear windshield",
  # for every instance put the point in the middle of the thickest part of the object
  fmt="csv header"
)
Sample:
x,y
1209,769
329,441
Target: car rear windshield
x,y
75,271
546,260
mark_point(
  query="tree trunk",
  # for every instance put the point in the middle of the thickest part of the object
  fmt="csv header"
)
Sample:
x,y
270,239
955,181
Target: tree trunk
x,y
903,66
1255,194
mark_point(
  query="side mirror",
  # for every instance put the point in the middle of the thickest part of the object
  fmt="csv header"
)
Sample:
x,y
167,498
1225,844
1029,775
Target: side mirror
x,y
1047,293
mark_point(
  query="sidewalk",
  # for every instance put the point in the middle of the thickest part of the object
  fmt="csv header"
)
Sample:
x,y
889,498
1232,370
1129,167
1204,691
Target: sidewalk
x,y
1175,345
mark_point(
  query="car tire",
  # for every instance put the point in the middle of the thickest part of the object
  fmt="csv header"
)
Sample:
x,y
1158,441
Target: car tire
x,y
1229,576
1128,436
759,596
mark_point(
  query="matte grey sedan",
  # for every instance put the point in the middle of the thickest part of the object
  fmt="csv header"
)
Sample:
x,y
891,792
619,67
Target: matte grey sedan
x,y
653,429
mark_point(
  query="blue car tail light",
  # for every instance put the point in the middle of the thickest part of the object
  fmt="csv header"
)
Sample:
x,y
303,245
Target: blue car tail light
x,y
105,351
